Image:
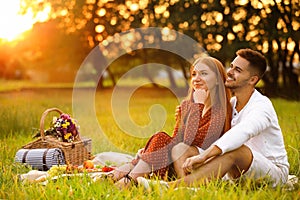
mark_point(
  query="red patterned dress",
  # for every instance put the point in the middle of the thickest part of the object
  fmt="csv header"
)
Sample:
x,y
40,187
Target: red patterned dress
x,y
190,128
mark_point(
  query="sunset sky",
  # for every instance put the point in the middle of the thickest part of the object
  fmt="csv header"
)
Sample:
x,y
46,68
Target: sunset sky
x,y
13,23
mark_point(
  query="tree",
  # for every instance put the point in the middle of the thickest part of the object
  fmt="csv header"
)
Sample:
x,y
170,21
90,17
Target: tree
x,y
222,27
278,29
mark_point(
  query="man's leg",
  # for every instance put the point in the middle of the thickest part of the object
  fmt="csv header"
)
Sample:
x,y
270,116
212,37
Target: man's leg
x,y
180,153
235,163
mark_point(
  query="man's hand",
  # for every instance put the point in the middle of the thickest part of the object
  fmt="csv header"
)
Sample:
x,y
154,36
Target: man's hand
x,y
196,161
192,163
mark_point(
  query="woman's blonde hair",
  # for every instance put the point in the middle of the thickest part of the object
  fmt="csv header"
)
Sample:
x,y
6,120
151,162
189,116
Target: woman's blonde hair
x,y
224,94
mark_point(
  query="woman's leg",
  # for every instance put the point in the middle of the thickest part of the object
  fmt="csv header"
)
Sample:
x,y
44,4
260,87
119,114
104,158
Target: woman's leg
x,y
180,153
141,169
155,158
157,154
121,171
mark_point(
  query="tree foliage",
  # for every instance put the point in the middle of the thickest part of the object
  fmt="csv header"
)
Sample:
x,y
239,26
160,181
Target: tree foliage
x,y
220,26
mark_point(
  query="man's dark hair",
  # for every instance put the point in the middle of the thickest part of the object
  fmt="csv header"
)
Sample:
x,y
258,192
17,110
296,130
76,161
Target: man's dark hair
x,y
257,60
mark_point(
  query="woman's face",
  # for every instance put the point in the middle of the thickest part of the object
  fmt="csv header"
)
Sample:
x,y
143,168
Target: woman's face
x,y
202,77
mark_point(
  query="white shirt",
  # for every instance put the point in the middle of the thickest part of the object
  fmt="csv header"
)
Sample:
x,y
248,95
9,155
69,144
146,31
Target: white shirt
x,y
256,126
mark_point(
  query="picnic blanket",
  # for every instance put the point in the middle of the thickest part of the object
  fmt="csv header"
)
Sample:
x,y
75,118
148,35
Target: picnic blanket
x,y
114,158
117,159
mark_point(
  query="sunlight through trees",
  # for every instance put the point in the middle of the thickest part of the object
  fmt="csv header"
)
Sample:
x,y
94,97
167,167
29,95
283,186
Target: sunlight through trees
x,y
221,27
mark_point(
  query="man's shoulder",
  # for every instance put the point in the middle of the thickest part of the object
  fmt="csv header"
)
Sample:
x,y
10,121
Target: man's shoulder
x,y
256,100
259,97
260,102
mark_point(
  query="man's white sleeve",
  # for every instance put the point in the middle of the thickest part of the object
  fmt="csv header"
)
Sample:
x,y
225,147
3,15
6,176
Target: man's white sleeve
x,y
254,122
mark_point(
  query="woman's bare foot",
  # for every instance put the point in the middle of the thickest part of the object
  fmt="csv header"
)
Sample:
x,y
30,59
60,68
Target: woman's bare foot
x,y
126,182
121,171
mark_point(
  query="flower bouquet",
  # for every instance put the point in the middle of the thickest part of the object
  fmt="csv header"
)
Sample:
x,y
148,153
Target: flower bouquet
x,y
65,128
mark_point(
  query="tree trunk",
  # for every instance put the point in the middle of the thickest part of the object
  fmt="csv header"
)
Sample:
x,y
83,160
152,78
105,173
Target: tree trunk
x,y
271,77
284,72
183,69
146,68
171,78
293,77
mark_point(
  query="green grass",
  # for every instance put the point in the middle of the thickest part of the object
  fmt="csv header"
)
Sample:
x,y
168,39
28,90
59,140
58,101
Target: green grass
x,y
20,113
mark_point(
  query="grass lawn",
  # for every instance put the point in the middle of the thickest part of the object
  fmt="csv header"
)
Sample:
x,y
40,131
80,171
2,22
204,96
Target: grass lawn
x,y
20,113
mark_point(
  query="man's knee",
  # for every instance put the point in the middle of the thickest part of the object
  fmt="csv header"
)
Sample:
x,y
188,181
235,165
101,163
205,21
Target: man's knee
x,y
241,159
240,154
178,150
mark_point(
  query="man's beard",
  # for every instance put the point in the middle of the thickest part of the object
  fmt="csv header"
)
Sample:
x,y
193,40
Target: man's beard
x,y
230,86
233,85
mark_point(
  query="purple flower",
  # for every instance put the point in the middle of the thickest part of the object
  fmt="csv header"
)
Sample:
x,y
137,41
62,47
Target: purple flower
x,y
66,127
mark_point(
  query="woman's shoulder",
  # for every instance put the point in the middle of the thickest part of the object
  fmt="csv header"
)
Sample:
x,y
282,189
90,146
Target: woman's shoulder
x,y
185,102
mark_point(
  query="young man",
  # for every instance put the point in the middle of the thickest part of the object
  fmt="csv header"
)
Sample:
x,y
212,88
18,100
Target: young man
x,y
254,145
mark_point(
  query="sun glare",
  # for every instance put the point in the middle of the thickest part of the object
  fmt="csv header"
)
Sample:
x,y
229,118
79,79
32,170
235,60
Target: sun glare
x,y
13,24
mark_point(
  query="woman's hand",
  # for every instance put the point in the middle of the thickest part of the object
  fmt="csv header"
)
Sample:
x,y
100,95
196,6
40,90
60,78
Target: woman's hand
x,y
140,152
200,95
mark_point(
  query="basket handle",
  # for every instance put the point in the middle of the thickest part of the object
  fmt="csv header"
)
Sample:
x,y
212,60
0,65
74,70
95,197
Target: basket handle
x,y
42,122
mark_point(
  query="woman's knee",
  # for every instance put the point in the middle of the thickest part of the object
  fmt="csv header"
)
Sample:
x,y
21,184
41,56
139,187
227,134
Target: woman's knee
x,y
160,136
157,140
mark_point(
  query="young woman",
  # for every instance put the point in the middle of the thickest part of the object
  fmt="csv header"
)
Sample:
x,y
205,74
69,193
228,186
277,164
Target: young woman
x,y
200,120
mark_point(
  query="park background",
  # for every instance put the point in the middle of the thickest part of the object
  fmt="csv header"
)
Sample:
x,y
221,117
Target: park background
x,y
43,44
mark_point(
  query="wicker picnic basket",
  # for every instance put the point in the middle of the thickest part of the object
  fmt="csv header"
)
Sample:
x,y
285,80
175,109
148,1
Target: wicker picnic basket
x,y
75,152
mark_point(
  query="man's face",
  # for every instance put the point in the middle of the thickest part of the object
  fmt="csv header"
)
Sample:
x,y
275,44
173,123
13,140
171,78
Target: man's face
x,y
238,74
